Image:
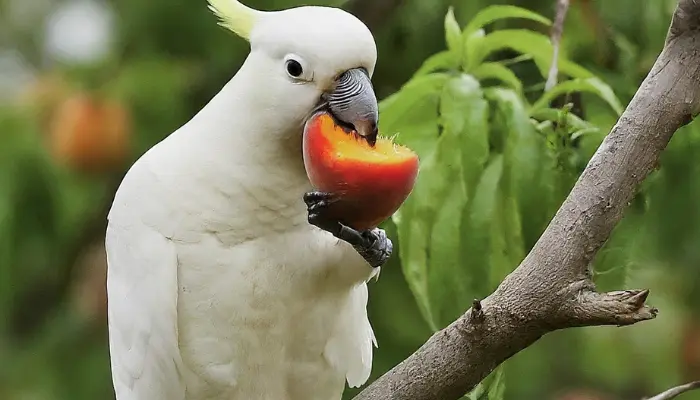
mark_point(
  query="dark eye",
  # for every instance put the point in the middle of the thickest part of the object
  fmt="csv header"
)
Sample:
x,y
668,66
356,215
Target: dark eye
x,y
294,68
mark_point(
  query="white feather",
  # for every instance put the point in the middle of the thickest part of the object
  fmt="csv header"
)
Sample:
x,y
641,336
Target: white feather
x,y
353,352
142,287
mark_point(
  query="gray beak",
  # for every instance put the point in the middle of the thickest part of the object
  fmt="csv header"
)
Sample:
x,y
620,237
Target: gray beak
x,y
354,103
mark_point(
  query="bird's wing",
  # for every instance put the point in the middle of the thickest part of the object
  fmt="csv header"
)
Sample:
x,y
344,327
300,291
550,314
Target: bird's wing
x,y
142,299
351,345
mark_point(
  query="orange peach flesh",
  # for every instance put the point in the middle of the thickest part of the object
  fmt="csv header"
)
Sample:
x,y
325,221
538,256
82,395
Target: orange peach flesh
x,y
350,146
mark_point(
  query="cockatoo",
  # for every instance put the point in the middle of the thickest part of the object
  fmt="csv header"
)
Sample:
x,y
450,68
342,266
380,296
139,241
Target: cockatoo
x,y
226,278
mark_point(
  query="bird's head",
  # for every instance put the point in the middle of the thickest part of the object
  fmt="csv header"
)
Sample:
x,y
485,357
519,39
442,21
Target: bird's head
x,y
310,58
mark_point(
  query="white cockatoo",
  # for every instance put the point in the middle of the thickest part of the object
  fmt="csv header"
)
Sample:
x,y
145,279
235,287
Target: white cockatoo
x,y
226,279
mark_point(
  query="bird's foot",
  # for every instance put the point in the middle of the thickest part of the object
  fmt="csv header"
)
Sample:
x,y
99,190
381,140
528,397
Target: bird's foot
x,y
373,245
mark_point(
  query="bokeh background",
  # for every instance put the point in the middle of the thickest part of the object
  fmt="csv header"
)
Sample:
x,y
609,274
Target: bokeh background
x,y
86,86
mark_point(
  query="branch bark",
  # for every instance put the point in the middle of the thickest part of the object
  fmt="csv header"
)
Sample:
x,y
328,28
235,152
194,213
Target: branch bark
x,y
557,31
676,391
552,288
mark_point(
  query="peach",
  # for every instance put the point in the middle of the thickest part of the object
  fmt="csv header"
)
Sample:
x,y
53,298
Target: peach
x,y
370,182
90,134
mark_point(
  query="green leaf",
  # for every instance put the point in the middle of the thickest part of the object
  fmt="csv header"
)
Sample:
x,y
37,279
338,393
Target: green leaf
x,y
422,246
512,232
472,50
449,283
498,71
479,245
453,33
497,387
463,109
497,12
478,393
413,228
613,262
492,387
503,248
585,131
561,117
530,165
546,128
506,248
430,238
461,153
528,42
590,85
574,125
412,114
444,60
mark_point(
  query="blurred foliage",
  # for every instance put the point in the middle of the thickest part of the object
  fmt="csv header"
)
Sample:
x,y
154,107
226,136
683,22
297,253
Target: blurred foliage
x,y
462,85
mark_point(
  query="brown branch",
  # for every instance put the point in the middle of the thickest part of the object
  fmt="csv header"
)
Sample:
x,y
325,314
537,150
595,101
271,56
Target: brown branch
x,y
557,31
552,288
675,391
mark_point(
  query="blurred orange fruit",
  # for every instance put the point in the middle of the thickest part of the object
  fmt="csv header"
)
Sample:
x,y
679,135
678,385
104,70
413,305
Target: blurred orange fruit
x,y
90,134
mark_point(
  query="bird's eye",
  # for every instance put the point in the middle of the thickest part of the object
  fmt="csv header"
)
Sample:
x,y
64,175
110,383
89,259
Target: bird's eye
x,y
298,69
294,68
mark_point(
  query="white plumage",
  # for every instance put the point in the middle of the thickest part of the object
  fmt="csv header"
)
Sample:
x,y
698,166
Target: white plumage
x,y
218,286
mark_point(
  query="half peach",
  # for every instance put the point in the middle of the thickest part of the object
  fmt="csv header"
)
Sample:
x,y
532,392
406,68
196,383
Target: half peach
x,y
370,182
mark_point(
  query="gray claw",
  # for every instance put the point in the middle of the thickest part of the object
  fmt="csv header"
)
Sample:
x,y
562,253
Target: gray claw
x,y
374,246
377,247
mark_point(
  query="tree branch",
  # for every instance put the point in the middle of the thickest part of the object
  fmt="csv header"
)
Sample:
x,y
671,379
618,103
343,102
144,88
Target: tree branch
x,y
674,392
552,288
557,31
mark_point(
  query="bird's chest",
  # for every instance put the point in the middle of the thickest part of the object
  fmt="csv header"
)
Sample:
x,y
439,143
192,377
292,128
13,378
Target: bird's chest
x,y
254,318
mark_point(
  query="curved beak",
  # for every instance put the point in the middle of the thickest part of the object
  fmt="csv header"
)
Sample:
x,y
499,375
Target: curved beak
x,y
354,104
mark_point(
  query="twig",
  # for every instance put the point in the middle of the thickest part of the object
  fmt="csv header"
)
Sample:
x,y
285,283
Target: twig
x,y
551,289
675,391
557,31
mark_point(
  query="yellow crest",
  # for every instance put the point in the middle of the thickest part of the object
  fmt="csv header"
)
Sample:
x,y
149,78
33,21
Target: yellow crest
x,y
235,16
